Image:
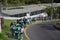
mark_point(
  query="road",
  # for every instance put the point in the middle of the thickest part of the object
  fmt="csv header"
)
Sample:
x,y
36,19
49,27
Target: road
x,y
44,31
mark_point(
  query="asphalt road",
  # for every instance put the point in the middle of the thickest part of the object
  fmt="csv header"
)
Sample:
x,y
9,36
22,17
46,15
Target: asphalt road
x,y
44,31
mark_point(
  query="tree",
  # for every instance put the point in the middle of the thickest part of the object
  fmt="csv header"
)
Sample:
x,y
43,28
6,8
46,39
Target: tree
x,y
46,1
31,1
56,11
48,10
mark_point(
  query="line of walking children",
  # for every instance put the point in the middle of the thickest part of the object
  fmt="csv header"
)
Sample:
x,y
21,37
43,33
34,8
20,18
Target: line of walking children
x,y
17,28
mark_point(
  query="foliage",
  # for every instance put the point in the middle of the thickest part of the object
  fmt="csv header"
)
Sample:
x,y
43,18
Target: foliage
x,y
46,1
56,11
5,30
24,2
48,10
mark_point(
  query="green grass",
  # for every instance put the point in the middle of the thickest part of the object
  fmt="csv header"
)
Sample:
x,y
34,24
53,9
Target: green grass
x,y
5,30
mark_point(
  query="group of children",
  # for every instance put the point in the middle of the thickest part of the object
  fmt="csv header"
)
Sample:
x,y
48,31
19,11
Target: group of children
x,y
17,28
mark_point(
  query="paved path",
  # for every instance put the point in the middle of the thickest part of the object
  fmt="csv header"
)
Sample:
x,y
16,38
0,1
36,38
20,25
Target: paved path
x,y
44,31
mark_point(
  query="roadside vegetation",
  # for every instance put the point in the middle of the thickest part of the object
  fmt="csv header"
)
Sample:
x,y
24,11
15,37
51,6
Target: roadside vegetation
x,y
6,30
56,11
23,2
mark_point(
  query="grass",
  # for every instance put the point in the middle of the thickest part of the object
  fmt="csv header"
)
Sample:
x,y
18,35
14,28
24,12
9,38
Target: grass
x,y
5,30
